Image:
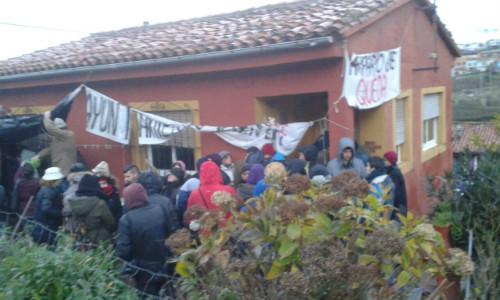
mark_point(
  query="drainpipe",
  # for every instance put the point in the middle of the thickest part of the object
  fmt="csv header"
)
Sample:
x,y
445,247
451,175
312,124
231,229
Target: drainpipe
x,y
302,44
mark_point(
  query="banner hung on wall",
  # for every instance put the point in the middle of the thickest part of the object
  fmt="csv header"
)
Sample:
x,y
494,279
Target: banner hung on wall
x,y
156,130
107,117
372,79
284,137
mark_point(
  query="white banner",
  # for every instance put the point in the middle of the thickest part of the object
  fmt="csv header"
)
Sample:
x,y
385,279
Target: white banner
x,y
107,117
372,79
156,130
284,137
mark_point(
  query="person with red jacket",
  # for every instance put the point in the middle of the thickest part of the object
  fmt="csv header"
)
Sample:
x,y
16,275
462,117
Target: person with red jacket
x,y
210,182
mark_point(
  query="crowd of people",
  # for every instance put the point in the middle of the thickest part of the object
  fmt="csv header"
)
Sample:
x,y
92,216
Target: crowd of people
x,y
151,207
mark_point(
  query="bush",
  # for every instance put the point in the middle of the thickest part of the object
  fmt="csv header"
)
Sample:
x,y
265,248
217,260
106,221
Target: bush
x,y
28,271
313,244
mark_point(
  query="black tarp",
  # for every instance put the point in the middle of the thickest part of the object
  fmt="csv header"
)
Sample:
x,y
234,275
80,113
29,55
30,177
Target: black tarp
x,y
16,129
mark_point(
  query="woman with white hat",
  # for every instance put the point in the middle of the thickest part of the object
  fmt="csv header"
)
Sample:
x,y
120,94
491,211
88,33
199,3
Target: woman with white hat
x,y
48,207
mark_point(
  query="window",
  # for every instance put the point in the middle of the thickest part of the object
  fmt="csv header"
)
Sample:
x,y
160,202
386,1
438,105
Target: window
x,y
400,128
430,116
179,147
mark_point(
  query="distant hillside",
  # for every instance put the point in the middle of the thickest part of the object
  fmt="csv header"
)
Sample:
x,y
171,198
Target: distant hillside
x,y
476,97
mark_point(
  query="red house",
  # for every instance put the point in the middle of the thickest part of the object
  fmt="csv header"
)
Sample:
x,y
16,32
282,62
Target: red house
x,y
284,61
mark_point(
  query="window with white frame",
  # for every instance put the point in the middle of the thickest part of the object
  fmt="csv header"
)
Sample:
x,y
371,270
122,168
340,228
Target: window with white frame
x,y
430,116
400,128
179,147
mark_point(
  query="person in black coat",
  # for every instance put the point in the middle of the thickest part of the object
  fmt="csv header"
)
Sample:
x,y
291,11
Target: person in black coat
x,y
394,172
152,183
48,208
142,232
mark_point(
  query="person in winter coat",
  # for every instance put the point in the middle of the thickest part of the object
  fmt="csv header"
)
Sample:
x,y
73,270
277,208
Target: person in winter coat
x,y
227,165
152,183
76,172
245,190
215,157
142,232
346,160
93,219
210,182
109,185
309,153
391,167
254,156
48,207
62,149
380,181
175,179
185,191
238,171
296,166
25,187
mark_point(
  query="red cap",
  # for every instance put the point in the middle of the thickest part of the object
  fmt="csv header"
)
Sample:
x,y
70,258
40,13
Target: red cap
x,y
391,157
268,149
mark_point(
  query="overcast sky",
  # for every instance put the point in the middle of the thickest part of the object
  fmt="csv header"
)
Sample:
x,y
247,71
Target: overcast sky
x,y
30,25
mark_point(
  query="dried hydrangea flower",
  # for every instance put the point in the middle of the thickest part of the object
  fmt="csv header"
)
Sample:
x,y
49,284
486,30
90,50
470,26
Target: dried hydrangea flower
x,y
364,276
194,225
297,184
296,286
236,203
290,210
426,231
274,173
179,241
329,203
222,199
212,219
458,263
194,213
319,180
384,242
349,184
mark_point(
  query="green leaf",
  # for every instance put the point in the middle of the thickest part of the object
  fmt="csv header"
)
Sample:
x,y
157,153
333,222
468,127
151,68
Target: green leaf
x,y
287,248
403,278
346,228
386,270
365,259
182,269
323,220
293,231
274,272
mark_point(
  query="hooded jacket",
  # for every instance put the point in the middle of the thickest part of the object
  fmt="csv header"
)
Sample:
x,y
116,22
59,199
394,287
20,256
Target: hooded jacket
x,y
238,168
310,153
152,183
48,207
210,182
337,166
379,180
96,215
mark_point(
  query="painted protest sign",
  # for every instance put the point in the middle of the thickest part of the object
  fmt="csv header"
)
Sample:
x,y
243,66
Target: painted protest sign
x,y
156,130
107,117
284,137
372,79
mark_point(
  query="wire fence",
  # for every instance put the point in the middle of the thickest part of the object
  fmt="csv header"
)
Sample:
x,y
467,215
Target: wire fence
x,y
146,283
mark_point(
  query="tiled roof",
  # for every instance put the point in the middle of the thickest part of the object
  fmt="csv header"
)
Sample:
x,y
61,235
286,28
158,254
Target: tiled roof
x,y
267,25
464,133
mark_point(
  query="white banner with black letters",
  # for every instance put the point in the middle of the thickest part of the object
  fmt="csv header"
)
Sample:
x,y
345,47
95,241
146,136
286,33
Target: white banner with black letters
x,y
372,79
107,117
284,137
156,130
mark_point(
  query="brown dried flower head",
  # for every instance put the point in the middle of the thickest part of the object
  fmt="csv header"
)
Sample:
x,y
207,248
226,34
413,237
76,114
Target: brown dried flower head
x,y
329,203
212,219
384,242
236,203
297,184
296,286
426,231
290,210
222,199
194,213
349,184
458,263
364,276
179,241
274,173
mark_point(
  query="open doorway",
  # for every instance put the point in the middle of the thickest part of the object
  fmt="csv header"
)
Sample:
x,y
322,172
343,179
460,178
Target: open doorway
x,y
296,108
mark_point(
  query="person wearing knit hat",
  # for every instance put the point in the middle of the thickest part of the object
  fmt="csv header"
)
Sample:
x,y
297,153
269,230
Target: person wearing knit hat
x,y
245,189
175,179
392,169
142,232
179,164
187,188
268,151
102,169
309,153
391,158
227,165
88,207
